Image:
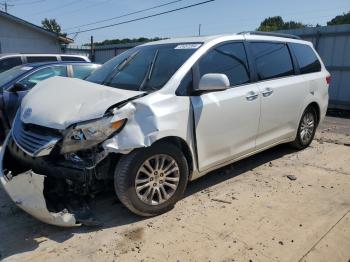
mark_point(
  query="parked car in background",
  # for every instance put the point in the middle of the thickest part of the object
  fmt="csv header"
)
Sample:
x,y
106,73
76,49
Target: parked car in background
x,y
16,82
7,61
157,116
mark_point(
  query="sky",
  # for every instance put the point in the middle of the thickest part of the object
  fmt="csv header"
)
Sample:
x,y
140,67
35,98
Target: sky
x,y
217,17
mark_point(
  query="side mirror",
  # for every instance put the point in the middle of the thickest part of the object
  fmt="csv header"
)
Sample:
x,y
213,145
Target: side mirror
x,y
213,82
17,87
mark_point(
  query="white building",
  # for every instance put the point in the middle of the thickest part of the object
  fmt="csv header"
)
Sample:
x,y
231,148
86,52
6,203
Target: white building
x,y
20,36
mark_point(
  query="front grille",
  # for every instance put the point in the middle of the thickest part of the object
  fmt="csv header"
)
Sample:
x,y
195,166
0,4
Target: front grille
x,y
33,139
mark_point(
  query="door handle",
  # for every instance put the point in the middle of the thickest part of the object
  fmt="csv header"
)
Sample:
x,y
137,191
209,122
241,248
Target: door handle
x,y
267,92
252,96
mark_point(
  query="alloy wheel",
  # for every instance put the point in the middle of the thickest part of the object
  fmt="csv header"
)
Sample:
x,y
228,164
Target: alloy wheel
x,y
157,179
307,128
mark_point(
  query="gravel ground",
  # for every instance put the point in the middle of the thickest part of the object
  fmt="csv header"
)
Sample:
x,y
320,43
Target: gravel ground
x,y
279,205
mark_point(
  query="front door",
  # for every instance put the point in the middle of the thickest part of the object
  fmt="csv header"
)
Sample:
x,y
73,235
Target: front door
x,y
226,122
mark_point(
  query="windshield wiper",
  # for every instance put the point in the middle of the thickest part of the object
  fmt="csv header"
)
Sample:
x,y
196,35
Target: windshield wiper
x,y
119,68
126,61
149,71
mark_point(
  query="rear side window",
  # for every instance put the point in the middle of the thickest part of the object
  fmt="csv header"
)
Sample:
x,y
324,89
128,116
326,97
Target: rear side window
x,y
72,58
36,59
8,63
272,60
82,71
229,59
307,59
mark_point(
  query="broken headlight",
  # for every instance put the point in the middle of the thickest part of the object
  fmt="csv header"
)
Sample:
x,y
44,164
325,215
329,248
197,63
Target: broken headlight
x,y
88,134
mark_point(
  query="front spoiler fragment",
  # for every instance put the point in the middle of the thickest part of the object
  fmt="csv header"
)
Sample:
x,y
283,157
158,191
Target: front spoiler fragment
x,y
27,191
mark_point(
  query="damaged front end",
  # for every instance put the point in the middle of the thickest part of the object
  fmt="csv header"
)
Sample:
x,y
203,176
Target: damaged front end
x,y
59,157
52,175
27,191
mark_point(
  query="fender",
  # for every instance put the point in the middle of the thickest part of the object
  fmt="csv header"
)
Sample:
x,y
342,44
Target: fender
x,y
152,118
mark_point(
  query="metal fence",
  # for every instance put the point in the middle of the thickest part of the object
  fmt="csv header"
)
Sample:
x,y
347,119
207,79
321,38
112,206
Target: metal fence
x,y
77,50
333,45
100,54
104,53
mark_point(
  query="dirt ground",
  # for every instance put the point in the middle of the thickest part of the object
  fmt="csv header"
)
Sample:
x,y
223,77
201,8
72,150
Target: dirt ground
x,y
248,211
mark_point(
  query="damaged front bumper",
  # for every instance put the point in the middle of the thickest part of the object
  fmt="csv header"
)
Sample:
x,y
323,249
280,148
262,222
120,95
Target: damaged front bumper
x,y
27,191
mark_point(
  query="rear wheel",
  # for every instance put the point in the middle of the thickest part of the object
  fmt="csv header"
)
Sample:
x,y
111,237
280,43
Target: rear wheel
x,y
306,130
150,181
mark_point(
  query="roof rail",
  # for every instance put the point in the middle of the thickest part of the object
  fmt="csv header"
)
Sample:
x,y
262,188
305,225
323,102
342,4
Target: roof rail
x,y
269,34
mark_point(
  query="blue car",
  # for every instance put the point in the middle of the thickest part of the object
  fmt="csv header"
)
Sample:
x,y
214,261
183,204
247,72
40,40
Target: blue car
x,y
16,83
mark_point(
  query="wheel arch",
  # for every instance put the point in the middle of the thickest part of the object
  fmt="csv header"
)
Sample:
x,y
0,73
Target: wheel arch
x,y
315,106
183,146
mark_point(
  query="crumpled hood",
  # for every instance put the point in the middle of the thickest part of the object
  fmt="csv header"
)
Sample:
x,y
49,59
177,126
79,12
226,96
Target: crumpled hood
x,y
59,102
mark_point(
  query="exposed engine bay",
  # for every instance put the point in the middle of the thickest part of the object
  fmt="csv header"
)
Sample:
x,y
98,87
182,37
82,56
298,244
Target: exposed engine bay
x,y
65,185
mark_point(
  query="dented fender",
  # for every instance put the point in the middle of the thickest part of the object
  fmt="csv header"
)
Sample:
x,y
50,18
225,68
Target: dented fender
x,y
149,121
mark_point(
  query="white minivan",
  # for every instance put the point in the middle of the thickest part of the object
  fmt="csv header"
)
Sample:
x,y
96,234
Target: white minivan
x,y
157,116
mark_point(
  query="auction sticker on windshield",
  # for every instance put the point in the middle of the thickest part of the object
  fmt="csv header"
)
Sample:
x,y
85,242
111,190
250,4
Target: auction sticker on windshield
x,y
188,46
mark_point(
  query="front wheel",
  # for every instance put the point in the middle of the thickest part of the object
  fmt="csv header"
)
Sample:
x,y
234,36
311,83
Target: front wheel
x,y
306,129
150,181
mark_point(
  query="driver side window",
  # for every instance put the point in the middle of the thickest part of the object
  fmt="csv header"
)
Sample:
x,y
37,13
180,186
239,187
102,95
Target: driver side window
x,y
229,59
42,74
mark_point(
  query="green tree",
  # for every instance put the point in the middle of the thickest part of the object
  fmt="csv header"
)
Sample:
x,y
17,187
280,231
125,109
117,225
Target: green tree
x,y
293,25
271,24
125,41
52,26
276,23
340,19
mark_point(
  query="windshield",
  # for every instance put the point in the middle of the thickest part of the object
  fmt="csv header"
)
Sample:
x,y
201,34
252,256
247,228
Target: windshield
x,y
145,68
13,73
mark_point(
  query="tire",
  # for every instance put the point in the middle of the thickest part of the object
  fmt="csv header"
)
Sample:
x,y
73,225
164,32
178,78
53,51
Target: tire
x,y
302,141
139,163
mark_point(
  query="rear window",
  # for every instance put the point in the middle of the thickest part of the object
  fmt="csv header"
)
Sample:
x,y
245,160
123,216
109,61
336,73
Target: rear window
x,y
8,63
307,59
272,60
36,59
72,58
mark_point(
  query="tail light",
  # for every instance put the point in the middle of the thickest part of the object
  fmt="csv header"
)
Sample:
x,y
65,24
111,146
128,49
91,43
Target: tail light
x,y
328,79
